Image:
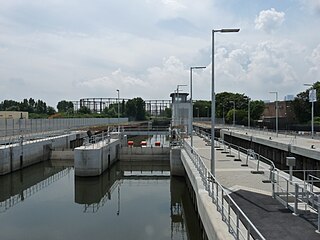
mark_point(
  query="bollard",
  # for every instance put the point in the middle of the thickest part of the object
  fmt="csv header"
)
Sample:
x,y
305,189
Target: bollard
x,y
238,159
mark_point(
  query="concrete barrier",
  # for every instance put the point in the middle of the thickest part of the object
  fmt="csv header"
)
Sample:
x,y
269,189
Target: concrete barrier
x,y
19,155
144,153
94,159
176,166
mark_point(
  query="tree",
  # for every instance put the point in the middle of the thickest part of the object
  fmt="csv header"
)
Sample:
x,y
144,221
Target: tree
x,y
302,106
112,110
135,109
50,110
40,107
84,110
256,109
65,106
203,107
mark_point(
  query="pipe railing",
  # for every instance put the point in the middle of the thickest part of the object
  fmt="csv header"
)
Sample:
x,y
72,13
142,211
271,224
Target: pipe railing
x,y
238,223
294,194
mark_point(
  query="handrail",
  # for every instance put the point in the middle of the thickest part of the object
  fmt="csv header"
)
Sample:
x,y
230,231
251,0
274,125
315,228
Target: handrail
x,y
301,191
217,192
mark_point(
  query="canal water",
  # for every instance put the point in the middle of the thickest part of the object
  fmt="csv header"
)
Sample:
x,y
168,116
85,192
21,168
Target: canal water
x,y
130,201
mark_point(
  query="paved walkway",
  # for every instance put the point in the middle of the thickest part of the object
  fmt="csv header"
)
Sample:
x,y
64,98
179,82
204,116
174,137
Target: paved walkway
x,y
254,197
294,140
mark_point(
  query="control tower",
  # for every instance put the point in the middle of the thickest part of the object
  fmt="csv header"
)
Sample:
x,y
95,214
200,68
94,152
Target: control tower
x,y
181,111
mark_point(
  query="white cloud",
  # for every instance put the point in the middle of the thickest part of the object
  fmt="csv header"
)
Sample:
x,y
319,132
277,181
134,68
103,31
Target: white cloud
x,y
313,5
269,20
314,59
75,49
257,69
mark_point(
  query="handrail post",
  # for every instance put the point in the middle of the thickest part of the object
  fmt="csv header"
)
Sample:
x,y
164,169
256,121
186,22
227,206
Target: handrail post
x,y
272,182
222,210
296,199
237,230
318,230
287,193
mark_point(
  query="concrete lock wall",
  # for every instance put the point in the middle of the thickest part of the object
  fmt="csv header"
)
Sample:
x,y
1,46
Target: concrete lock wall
x,y
144,153
176,166
17,156
93,160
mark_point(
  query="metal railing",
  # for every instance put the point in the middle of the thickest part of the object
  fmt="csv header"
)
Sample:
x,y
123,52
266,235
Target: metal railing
x,y
298,195
238,223
12,127
98,140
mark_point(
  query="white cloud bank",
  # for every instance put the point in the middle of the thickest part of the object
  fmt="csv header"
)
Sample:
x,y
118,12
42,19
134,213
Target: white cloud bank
x,y
269,20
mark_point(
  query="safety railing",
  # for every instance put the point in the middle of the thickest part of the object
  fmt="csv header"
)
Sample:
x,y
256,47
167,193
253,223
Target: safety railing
x,y
10,141
16,127
238,223
294,193
97,140
300,196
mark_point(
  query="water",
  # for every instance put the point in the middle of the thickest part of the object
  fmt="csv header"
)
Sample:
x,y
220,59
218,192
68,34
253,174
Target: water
x,y
129,201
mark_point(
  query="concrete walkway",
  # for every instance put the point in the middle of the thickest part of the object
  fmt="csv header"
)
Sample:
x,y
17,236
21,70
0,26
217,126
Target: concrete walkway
x,y
271,218
300,140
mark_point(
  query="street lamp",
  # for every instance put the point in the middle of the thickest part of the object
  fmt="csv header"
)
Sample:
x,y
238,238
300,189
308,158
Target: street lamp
x,y
248,112
213,97
118,110
197,112
191,103
277,109
312,99
234,113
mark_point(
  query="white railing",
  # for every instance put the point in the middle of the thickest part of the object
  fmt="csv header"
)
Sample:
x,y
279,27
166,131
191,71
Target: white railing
x,y
295,194
13,127
238,223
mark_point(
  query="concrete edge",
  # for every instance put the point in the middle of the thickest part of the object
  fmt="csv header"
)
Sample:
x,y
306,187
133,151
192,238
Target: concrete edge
x,y
211,219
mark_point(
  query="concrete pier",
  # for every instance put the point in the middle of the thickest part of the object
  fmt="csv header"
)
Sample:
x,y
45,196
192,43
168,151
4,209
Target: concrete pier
x,y
94,159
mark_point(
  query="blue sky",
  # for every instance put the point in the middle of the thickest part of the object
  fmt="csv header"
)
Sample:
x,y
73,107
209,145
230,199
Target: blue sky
x,y
56,49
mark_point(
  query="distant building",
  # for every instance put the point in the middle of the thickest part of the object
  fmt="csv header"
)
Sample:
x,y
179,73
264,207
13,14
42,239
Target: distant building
x,y
286,115
13,115
289,98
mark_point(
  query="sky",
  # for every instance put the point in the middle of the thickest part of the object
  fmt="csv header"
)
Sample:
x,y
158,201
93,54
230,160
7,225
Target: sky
x,y
57,50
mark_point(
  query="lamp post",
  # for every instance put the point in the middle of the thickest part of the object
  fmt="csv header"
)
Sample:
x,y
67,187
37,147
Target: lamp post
x,y
249,112
197,112
277,113
206,107
118,110
213,97
191,103
234,113
312,99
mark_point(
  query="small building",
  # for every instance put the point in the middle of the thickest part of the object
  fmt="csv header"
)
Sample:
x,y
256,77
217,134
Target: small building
x,y
181,112
286,115
13,115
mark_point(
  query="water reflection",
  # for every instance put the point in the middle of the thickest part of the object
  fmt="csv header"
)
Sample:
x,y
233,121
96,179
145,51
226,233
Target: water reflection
x,y
22,184
130,201
94,192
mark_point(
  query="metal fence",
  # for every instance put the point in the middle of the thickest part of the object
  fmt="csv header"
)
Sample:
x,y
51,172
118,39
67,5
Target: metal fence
x,y
299,195
13,127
